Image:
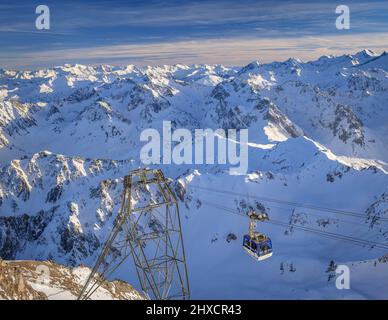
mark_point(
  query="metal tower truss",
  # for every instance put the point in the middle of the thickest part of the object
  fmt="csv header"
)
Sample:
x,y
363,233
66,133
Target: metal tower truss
x,y
149,229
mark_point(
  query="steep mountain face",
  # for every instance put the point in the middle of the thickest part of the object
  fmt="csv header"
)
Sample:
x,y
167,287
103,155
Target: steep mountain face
x,y
46,280
15,119
317,134
52,191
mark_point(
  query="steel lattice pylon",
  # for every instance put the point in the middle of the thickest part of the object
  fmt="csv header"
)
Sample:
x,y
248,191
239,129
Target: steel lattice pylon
x,y
148,228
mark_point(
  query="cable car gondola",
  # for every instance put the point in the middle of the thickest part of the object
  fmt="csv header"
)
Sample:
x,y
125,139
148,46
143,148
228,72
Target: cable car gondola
x,y
256,244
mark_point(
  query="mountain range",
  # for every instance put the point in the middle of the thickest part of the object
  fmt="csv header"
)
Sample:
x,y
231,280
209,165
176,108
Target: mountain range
x,y
317,139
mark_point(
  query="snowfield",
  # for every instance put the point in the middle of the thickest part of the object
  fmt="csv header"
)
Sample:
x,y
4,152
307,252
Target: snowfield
x,y
317,139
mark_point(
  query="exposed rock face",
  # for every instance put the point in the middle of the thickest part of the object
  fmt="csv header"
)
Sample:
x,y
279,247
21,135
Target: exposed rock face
x,y
16,232
347,126
46,280
15,119
50,179
13,284
278,119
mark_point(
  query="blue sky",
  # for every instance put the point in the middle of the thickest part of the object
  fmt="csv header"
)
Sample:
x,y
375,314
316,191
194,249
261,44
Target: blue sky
x,y
166,32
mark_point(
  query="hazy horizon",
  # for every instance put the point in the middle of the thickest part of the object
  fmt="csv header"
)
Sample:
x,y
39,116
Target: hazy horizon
x,y
161,32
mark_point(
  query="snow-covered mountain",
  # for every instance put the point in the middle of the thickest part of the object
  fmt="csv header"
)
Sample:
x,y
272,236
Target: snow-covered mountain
x,y
317,135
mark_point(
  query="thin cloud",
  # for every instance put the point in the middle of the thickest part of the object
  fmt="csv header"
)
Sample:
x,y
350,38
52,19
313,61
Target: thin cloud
x,y
222,31
234,51
71,16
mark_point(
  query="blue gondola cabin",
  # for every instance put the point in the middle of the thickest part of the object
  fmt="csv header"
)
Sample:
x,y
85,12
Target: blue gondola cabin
x,y
258,247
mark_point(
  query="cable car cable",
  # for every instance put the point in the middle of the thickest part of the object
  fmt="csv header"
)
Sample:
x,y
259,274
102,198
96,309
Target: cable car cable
x,y
330,235
290,203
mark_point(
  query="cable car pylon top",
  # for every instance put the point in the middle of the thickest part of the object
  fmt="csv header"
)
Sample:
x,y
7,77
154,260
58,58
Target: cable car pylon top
x,y
148,228
254,217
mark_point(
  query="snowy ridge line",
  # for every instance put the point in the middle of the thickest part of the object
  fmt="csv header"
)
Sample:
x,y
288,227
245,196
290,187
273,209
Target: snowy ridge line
x,y
295,204
327,234
355,163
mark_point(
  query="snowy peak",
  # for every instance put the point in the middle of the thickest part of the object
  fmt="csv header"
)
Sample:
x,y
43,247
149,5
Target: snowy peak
x,y
365,54
250,68
380,62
